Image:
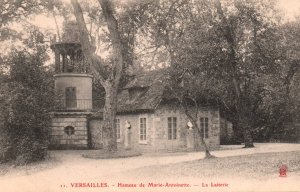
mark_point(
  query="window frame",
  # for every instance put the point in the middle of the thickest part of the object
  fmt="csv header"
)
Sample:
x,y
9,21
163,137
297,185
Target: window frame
x,y
118,129
143,141
172,130
69,130
204,127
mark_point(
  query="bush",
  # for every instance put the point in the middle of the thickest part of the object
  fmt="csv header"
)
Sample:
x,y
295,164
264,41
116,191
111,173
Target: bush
x,y
25,114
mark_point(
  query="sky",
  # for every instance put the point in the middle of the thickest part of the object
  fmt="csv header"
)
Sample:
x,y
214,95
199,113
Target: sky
x,y
290,8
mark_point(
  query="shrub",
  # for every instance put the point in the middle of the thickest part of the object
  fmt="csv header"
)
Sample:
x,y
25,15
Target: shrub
x,y
26,113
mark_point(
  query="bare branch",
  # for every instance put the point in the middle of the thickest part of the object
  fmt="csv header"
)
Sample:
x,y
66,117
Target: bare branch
x,y
87,48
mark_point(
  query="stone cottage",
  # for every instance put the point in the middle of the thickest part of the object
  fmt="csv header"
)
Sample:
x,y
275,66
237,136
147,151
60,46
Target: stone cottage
x,y
155,122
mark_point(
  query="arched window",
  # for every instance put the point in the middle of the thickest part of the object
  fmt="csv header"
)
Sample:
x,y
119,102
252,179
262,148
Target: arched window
x,y
69,130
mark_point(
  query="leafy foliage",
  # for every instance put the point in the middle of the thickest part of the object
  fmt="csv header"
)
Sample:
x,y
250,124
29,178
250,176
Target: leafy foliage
x,y
236,54
27,99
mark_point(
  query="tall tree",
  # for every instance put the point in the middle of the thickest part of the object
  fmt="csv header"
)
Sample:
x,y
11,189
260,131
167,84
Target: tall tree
x,y
109,79
248,37
280,105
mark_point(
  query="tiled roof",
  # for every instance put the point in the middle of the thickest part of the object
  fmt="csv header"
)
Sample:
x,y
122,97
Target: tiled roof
x,y
150,87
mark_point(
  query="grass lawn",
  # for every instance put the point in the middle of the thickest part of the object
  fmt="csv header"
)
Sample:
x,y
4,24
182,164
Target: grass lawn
x,y
255,166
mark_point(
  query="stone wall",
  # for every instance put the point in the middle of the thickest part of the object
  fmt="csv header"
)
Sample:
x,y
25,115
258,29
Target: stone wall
x,y
161,120
161,125
214,128
157,130
59,139
226,131
95,130
134,120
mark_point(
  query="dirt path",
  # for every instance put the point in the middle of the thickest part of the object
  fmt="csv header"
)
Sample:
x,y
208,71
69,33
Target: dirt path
x,y
70,168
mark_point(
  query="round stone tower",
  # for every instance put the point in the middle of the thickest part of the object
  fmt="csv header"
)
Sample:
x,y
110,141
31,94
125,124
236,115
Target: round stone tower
x,y
73,83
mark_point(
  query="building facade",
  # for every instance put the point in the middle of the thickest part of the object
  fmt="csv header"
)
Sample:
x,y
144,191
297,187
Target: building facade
x,y
146,120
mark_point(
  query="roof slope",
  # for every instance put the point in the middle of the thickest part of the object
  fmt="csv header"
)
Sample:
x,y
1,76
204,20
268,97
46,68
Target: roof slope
x,y
151,87
146,79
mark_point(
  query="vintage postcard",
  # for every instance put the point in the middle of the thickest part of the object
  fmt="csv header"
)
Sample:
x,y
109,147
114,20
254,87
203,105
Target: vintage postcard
x,y
149,95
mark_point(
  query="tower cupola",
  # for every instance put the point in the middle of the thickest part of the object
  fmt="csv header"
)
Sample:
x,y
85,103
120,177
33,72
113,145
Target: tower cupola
x,y
68,53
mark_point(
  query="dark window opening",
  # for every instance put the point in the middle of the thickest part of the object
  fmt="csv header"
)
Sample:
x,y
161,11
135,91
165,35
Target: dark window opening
x,y
69,130
172,128
117,126
71,101
204,127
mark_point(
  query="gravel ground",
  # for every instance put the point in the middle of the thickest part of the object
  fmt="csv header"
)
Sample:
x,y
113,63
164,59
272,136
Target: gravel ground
x,y
254,169
260,166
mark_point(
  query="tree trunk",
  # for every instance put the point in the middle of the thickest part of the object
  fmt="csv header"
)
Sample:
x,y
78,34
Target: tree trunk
x,y
207,153
248,138
109,115
198,132
244,121
111,83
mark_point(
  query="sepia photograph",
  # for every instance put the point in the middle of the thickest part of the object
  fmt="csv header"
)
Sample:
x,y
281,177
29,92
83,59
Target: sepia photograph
x,y
150,95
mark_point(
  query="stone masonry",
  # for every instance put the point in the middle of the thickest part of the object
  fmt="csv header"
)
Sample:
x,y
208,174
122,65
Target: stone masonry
x,y
62,140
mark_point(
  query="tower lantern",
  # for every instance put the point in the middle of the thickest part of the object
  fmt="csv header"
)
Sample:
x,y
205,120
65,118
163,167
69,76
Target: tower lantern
x,y
68,53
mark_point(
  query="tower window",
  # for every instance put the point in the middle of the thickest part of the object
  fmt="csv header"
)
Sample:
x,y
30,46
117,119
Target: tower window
x,y
71,101
69,130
